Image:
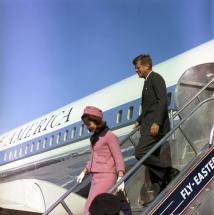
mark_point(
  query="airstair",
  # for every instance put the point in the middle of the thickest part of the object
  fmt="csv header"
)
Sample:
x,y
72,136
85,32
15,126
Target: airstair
x,y
194,157
188,147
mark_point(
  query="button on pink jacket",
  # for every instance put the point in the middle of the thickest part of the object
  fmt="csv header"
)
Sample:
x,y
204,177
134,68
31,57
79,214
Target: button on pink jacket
x,y
106,155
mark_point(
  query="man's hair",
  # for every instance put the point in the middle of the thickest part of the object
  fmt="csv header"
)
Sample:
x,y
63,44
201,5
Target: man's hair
x,y
144,59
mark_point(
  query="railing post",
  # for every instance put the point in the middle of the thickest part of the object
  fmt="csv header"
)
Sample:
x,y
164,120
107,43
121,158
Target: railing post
x,y
66,207
171,118
171,122
211,137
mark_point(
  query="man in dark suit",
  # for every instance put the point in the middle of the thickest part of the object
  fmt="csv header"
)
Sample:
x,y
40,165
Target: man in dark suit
x,y
154,121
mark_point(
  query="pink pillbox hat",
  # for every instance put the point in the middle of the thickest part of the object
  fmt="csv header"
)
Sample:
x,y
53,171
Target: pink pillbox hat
x,y
94,111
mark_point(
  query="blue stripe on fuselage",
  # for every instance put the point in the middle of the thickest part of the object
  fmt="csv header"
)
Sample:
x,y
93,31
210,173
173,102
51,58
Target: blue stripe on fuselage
x,y
56,138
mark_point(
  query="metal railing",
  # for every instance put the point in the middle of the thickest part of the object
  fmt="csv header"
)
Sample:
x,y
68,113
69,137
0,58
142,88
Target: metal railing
x,y
160,143
194,97
139,163
62,202
61,199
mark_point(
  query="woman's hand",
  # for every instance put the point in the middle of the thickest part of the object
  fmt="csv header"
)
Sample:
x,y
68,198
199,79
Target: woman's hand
x,y
121,186
82,175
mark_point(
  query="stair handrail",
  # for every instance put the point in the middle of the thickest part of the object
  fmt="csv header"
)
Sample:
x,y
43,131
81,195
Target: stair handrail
x,y
195,96
61,199
138,164
157,145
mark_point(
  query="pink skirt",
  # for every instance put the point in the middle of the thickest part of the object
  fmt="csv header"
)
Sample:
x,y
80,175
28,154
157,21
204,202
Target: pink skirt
x,y
101,183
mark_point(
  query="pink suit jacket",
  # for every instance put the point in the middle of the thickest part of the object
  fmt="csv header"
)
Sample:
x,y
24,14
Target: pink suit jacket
x,y
106,155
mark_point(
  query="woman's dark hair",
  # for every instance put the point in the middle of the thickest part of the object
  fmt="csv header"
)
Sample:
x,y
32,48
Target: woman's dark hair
x,y
97,120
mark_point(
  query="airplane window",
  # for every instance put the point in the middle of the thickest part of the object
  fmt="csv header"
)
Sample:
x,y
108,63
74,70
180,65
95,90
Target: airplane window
x,y
15,153
169,97
10,155
38,145
81,130
45,141
65,136
140,110
58,138
26,148
119,116
32,147
5,156
73,133
20,151
51,140
130,113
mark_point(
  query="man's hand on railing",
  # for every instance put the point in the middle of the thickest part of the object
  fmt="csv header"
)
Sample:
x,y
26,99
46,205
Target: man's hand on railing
x,y
121,186
154,129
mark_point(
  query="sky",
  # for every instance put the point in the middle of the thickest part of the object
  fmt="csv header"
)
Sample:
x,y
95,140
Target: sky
x,y
53,52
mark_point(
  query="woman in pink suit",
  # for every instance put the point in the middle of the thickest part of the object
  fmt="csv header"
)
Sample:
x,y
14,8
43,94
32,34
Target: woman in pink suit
x,y
106,162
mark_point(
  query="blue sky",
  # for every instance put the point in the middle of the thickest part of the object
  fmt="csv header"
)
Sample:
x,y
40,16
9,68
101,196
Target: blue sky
x,y
53,52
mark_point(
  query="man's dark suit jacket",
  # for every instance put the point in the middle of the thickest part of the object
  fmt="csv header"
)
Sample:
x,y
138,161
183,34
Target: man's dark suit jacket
x,y
154,104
